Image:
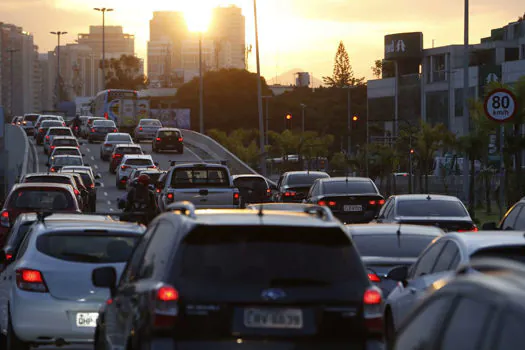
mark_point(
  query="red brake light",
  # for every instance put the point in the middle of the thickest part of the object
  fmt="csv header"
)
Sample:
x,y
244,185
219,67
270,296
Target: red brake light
x,y
167,294
53,147
47,137
170,196
332,204
373,310
124,167
235,196
9,256
157,139
141,128
372,297
323,203
372,202
92,129
77,192
52,170
381,202
180,139
30,280
289,194
373,277
115,130
473,229
106,116
41,130
109,301
5,214
92,185
157,190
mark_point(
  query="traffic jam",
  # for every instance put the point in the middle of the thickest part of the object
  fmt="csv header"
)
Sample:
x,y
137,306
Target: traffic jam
x,y
191,256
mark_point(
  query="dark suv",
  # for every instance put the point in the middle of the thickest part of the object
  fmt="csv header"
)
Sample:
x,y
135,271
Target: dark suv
x,y
168,139
212,279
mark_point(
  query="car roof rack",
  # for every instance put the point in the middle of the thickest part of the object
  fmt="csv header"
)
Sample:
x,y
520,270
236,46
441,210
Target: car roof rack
x,y
199,162
186,208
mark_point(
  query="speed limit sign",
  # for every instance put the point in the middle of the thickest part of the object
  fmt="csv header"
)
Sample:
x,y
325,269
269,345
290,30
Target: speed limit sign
x,y
500,105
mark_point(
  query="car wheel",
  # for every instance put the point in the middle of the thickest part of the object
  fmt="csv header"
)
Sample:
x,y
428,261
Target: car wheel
x,y
390,331
12,341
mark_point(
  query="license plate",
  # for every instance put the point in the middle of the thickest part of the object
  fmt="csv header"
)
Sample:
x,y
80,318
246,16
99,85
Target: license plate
x,y
353,208
170,146
87,319
273,318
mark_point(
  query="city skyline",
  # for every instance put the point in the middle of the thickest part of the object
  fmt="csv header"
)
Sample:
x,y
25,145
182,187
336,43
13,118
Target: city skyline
x,y
292,34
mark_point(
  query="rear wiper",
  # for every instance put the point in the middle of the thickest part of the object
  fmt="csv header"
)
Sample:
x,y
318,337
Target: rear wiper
x,y
290,282
81,256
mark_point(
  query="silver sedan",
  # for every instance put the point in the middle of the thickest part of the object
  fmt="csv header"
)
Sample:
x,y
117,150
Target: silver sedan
x,y
147,129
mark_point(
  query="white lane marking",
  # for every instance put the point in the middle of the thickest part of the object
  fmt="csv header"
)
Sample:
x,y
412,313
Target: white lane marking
x,y
111,210
105,194
101,184
96,166
92,158
87,149
109,202
186,148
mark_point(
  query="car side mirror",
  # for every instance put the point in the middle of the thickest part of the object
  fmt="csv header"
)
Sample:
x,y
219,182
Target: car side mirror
x,y
398,273
47,164
83,155
489,226
98,184
105,277
85,164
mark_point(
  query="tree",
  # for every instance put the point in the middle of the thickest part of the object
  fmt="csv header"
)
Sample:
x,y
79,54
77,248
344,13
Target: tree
x,y
377,68
343,75
124,73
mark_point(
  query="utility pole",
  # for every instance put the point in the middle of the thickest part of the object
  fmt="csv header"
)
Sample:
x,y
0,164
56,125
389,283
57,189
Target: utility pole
x,y
201,88
267,98
303,107
12,77
466,114
103,10
259,95
58,90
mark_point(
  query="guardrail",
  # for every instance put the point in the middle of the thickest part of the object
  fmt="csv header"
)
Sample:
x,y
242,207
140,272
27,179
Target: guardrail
x,y
217,151
16,154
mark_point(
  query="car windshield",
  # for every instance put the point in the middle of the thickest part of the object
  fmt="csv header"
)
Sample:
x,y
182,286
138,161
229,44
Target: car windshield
x,y
41,199
128,150
64,131
49,179
333,187
426,207
104,123
67,161
169,134
304,179
96,248
140,161
194,177
114,138
65,142
150,123
389,245
271,257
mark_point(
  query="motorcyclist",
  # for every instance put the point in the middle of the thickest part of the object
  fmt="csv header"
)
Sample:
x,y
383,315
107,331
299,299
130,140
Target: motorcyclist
x,y
141,200
76,124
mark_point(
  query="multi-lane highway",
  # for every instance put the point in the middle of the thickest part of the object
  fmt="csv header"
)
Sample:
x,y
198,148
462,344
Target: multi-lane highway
x,y
107,193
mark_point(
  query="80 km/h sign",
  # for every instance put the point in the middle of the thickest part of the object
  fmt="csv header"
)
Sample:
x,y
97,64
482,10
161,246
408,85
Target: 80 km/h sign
x,y
500,105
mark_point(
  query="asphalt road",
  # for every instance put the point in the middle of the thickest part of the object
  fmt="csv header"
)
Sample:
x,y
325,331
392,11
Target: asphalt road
x,y
108,194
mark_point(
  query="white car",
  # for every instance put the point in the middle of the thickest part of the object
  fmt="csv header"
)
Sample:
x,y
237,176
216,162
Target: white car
x,y
52,132
46,294
28,123
65,151
130,162
112,139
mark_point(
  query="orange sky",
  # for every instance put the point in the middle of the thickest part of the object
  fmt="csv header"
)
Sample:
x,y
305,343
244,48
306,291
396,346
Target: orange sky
x,y
293,33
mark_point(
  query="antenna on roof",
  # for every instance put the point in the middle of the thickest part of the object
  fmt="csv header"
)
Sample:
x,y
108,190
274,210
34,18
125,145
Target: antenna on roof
x,y
398,234
41,216
428,197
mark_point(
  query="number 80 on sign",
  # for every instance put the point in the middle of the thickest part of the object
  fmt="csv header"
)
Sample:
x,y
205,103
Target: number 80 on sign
x,y
500,105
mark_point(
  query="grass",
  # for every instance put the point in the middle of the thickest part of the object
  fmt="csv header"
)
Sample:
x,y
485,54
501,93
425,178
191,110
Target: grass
x,y
481,216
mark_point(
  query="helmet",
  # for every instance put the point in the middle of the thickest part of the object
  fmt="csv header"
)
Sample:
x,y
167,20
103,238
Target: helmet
x,y
143,179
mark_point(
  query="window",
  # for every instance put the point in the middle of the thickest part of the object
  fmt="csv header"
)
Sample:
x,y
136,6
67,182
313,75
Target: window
x,y
465,330
41,199
104,124
128,150
423,327
389,213
516,252
119,138
60,160
65,142
304,179
303,256
24,245
427,207
512,336
194,177
159,251
66,152
520,221
139,161
426,262
87,248
251,183
350,187
49,179
150,122
510,218
386,207
408,246
65,132
15,238
314,190
50,123
134,263
447,257
166,133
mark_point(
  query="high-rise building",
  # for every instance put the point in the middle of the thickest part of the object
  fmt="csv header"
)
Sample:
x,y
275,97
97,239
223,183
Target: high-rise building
x,y
228,29
46,91
117,43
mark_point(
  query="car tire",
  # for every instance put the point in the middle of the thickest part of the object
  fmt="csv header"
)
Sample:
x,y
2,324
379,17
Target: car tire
x,y
390,331
12,341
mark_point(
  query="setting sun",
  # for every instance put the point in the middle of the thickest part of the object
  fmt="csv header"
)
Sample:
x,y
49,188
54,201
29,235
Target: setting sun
x,y
198,16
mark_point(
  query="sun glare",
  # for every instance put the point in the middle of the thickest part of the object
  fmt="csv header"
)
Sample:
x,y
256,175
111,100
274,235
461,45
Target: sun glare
x,y
198,17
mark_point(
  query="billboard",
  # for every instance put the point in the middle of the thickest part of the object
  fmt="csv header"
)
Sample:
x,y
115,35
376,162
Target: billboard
x,y
173,118
403,45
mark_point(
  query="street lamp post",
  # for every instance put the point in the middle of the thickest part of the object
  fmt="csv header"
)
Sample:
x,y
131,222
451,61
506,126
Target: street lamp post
x,y
57,87
12,77
303,107
466,116
201,88
262,151
103,10
267,140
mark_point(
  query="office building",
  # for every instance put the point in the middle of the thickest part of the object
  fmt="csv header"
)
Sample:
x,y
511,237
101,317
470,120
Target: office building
x,y
228,29
117,42
429,85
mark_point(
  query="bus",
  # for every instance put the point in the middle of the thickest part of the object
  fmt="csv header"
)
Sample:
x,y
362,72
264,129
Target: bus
x,y
117,105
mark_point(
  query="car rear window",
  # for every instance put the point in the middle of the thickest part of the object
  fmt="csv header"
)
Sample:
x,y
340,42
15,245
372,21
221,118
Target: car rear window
x,y
139,162
65,142
66,152
169,133
427,207
304,179
154,177
516,253
407,246
90,121
150,123
49,179
31,117
119,138
194,177
87,248
128,150
86,179
354,187
67,161
268,256
50,123
41,199
60,132
104,123
252,183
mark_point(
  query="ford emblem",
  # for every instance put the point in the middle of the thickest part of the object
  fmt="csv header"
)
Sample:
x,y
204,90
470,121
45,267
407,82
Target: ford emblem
x,y
273,294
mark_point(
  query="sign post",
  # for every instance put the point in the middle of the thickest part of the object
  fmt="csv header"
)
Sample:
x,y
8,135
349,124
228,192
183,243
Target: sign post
x,y
500,106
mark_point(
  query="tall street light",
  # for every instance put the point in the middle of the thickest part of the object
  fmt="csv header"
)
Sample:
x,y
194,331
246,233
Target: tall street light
x,y
267,99
103,10
12,68
466,114
262,150
201,88
57,87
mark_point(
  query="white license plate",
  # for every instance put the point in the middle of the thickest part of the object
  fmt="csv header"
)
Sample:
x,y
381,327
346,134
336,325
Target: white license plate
x,y
87,319
273,318
353,208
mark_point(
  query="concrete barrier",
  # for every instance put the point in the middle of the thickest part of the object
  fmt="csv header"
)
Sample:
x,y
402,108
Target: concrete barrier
x,y
16,153
216,151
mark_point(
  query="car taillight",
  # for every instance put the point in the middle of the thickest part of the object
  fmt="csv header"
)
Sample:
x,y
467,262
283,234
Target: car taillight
x,y
124,167
77,192
106,116
180,139
30,281
4,218
107,145
115,130
8,256
170,196
53,147
92,186
236,197
166,308
158,139
141,128
47,137
373,277
52,170
117,156
92,129
268,192
64,124
40,130
289,194
376,202
474,228
157,190
332,203
373,310
381,202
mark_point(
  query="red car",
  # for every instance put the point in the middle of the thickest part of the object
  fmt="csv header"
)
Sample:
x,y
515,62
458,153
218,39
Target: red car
x,y
35,197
